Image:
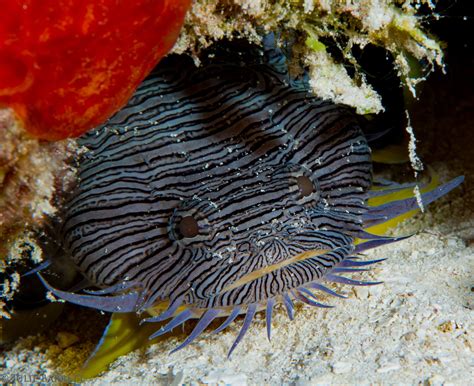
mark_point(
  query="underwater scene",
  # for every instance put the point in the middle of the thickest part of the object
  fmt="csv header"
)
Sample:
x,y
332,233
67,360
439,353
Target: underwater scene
x,y
236,192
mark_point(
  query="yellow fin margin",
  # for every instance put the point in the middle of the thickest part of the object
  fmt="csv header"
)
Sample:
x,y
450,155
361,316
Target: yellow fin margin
x,y
383,228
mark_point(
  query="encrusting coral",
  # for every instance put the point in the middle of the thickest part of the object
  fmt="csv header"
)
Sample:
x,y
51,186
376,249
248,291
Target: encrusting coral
x,y
391,24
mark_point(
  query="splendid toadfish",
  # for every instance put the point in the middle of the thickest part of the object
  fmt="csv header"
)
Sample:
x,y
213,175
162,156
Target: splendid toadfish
x,y
223,190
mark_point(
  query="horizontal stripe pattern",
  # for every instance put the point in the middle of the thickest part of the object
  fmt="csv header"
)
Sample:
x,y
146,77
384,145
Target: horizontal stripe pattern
x,y
224,144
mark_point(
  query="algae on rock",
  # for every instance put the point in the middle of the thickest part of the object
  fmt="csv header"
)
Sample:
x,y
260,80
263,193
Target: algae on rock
x,y
31,173
391,24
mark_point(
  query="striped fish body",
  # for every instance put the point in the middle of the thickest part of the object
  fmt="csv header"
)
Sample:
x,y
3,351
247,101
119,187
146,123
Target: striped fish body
x,y
223,185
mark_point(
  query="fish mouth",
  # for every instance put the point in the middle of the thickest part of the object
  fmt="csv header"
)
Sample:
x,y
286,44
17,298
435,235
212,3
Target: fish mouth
x,y
270,268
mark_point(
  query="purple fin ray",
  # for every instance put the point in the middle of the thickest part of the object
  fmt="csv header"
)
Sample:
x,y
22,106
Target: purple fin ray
x,y
290,307
205,321
384,212
392,188
179,319
252,308
361,234
306,292
352,263
377,243
345,280
118,303
43,265
235,312
112,289
340,269
148,300
308,297
268,317
169,312
325,289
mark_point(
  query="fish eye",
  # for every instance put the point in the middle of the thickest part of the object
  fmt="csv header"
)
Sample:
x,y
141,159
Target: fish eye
x,y
305,186
191,223
188,227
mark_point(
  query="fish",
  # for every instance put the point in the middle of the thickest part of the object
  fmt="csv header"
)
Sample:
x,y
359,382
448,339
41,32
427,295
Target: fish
x,y
223,190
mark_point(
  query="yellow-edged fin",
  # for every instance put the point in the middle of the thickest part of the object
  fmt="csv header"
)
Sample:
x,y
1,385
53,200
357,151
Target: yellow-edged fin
x,y
381,229
404,193
123,335
391,154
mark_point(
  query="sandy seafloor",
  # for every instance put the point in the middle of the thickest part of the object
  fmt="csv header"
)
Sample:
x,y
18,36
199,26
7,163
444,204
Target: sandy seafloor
x,y
416,328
